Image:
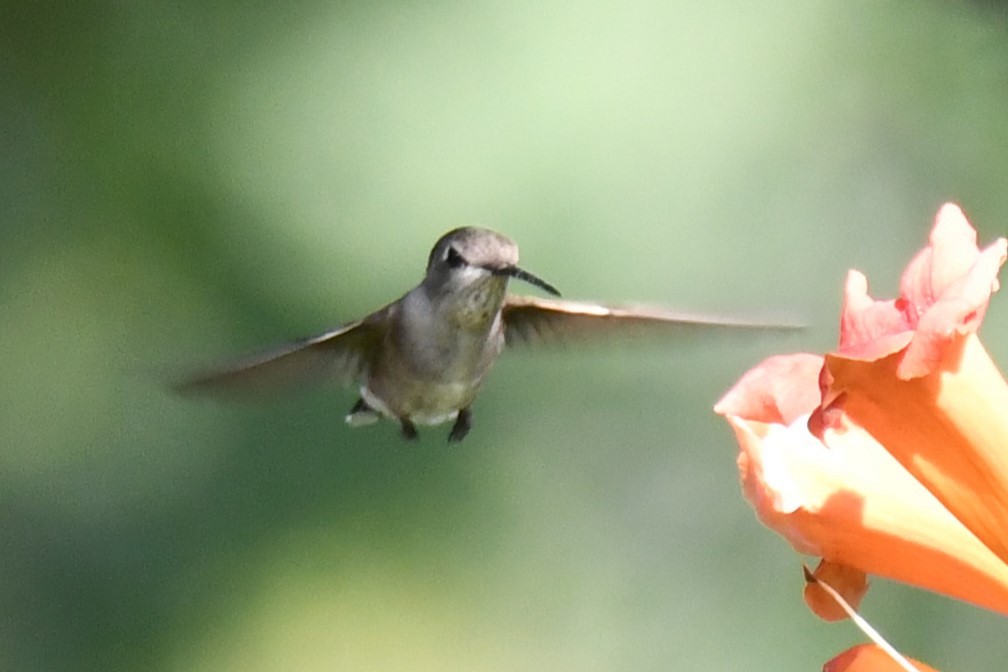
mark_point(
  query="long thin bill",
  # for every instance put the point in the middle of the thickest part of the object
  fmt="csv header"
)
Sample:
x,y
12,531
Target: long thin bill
x,y
519,274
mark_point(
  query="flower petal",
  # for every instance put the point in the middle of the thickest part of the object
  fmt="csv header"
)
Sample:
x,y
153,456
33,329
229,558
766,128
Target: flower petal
x,y
775,391
951,251
950,283
944,293
870,329
869,658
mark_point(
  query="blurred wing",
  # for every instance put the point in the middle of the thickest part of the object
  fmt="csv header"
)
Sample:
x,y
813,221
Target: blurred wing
x,y
532,321
339,356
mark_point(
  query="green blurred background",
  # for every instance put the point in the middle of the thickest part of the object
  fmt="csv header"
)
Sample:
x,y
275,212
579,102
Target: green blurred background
x,y
185,181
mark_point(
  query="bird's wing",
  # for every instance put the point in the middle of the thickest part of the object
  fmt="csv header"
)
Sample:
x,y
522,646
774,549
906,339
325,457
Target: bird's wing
x,y
531,320
338,356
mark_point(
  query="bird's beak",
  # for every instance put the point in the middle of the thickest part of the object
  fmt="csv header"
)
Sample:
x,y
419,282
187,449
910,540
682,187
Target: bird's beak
x,y
519,274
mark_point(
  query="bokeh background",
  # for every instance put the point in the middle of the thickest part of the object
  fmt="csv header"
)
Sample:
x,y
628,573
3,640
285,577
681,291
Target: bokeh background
x,y
184,181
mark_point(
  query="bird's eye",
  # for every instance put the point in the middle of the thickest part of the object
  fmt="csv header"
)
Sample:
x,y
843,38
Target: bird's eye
x,y
453,258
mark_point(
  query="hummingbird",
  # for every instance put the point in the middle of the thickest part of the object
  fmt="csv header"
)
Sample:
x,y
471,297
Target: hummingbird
x,y
422,359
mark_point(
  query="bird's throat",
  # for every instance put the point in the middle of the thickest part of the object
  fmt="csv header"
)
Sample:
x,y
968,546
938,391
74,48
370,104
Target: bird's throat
x,y
475,308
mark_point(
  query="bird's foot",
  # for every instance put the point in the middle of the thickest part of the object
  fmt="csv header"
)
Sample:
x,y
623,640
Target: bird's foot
x,y
361,414
463,423
407,429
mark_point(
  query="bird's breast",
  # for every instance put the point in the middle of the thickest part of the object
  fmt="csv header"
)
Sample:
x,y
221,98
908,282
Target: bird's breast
x,y
421,400
430,367
432,407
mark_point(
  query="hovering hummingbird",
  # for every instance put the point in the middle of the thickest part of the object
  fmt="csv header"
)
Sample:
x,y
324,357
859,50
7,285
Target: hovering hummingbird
x,y
421,360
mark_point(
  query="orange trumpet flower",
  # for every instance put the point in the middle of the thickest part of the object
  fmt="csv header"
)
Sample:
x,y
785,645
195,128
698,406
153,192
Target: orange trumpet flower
x,y
889,456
